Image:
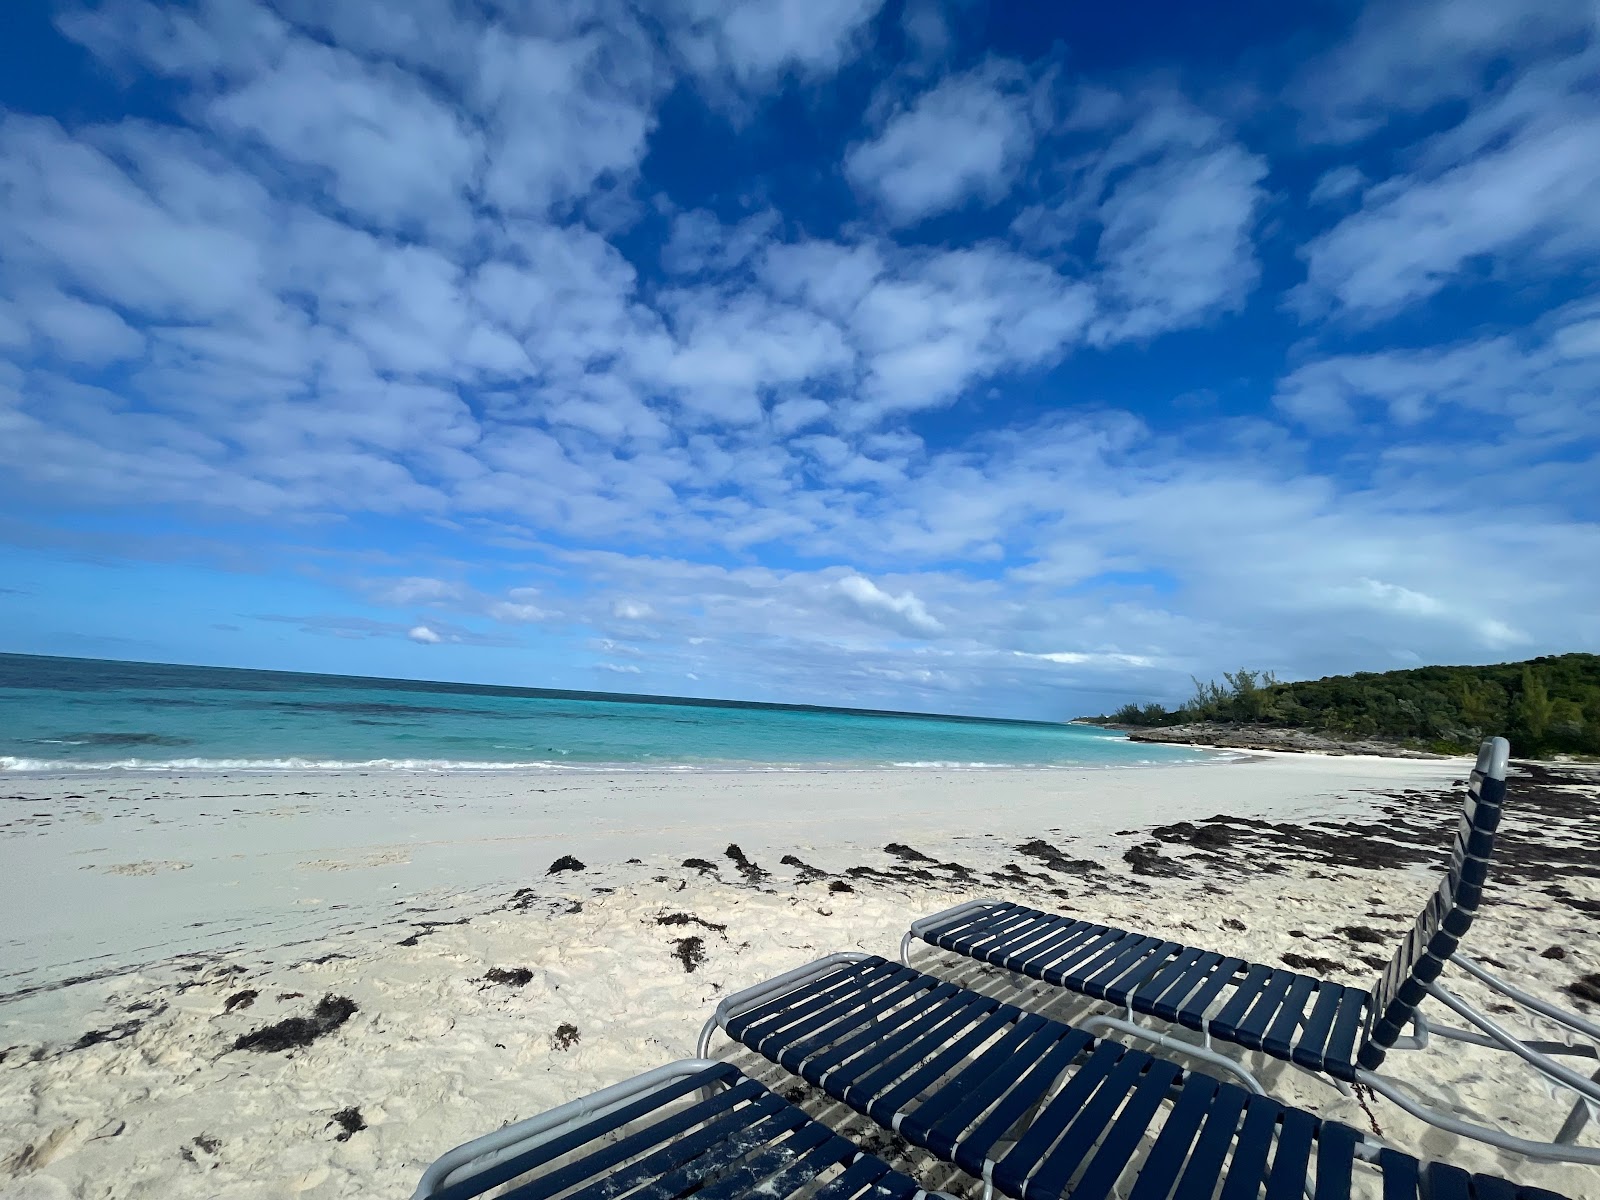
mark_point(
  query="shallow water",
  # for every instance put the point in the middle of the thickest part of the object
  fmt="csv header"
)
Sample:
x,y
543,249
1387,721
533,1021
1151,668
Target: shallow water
x,y
65,714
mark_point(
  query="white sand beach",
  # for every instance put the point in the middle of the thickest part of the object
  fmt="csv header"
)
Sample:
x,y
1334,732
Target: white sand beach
x,y
196,909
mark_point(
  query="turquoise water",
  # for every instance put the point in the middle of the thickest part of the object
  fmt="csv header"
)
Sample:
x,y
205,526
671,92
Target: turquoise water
x,y
71,714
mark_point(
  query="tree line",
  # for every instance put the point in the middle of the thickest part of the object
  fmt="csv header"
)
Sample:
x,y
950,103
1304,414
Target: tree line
x,y
1545,706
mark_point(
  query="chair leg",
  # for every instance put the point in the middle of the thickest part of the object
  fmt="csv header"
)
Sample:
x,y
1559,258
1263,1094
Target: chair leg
x,y
1577,1118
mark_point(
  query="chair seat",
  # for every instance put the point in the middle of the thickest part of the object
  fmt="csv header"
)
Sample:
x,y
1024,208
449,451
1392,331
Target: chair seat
x,y
1313,1022
742,1143
1046,1110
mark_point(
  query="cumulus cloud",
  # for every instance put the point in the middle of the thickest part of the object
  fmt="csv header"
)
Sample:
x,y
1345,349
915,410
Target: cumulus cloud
x,y
1412,56
753,41
1165,201
417,589
1531,392
1507,181
964,139
486,368
1336,184
905,611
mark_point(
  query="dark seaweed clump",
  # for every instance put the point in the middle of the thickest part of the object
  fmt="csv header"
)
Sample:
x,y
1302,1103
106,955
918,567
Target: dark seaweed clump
x,y
513,977
1587,988
565,863
680,918
1305,962
115,1034
350,1122
330,1013
242,999
1147,859
565,1037
1365,933
747,868
690,951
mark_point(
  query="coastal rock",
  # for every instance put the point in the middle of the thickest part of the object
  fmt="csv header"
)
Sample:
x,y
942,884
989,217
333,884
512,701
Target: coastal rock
x,y
1261,737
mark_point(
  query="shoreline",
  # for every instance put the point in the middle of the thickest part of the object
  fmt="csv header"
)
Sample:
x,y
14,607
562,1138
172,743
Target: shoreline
x,y
482,978
110,871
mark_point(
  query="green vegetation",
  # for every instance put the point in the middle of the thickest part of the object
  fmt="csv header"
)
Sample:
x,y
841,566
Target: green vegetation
x,y
1545,706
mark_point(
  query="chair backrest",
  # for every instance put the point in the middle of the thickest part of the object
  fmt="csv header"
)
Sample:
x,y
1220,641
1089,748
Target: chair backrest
x,y
1445,921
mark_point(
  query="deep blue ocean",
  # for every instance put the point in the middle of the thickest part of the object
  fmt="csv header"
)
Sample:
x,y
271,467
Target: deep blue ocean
x,y
72,714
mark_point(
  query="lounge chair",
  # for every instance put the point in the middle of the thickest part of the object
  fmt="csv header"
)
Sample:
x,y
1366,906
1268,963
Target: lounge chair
x,y
691,1128
1327,1028
1039,1110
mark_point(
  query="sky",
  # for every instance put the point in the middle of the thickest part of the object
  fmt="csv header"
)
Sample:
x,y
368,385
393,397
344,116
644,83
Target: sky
x,y
1010,359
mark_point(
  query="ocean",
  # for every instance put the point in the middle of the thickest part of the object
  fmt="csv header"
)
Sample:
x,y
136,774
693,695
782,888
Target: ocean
x,y
68,714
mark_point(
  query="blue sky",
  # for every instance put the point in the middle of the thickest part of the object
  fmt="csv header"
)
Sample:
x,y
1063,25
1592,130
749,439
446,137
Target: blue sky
x,y
1005,359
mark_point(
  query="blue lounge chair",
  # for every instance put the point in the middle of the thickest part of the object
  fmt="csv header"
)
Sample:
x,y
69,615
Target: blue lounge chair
x,y
1326,1028
1040,1110
693,1128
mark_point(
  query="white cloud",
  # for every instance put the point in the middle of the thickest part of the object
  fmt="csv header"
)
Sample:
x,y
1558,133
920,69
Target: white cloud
x,y
619,668
1509,184
965,139
1416,235
563,114
417,589
518,607
187,246
700,242
1179,205
1076,658
421,633
1175,243
755,41
304,326
1410,57
1535,390
91,334
946,319
1336,184
392,152
1164,199
905,611
1402,601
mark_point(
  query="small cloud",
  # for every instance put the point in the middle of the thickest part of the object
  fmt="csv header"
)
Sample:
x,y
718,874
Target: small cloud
x,y
1336,184
905,610
511,611
1078,658
631,610
417,589
421,633
619,668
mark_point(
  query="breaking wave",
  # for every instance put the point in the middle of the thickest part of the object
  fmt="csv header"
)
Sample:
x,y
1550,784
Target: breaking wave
x,y
16,764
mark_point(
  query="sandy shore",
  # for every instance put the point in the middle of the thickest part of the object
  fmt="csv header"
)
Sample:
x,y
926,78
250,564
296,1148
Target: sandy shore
x,y
196,911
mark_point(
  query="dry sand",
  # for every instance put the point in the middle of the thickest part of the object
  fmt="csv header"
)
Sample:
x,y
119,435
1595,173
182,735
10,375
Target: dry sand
x,y
194,911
